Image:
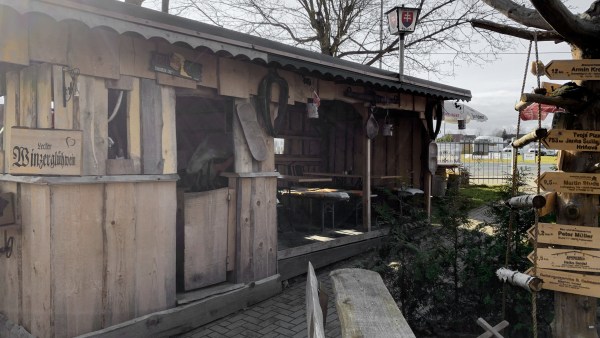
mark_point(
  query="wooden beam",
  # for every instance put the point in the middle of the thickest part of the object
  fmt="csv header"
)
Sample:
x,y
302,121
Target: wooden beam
x,y
528,98
295,266
528,138
187,317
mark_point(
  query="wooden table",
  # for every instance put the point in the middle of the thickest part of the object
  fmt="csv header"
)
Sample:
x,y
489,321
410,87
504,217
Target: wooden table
x,y
341,175
328,198
303,179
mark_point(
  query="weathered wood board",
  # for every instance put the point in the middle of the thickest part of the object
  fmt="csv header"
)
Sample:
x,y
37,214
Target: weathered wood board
x,y
119,227
36,267
94,51
48,39
14,37
63,113
134,132
77,267
580,183
365,306
569,282
45,152
11,116
571,235
585,69
314,314
151,127
155,215
93,121
205,228
576,140
254,134
567,259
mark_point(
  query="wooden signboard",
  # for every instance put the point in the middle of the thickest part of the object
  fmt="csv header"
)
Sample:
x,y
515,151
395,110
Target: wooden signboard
x,y
570,282
550,87
580,183
587,69
571,235
44,152
567,259
579,140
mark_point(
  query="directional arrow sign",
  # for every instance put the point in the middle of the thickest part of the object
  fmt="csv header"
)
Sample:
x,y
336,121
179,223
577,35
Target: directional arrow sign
x,y
588,69
570,282
570,182
560,234
581,140
567,259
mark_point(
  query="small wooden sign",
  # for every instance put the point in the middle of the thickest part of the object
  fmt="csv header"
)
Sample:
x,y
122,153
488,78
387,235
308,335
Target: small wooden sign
x,y
44,152
572,235
586,69
570,282
579,140
581,183
567,259
550,87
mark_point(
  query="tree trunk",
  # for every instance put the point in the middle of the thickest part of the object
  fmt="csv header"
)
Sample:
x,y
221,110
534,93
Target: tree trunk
x,y
575,316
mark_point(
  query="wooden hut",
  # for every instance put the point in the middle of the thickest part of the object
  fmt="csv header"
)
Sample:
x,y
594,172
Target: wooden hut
x,y
138,160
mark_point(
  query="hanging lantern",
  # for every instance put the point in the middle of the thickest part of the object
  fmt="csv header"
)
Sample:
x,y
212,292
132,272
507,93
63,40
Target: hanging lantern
x,y
462,124
388,128
312,106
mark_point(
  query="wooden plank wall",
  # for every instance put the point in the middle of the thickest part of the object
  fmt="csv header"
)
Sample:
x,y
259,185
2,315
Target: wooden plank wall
x,y
11,292
205,231
89,256
256,250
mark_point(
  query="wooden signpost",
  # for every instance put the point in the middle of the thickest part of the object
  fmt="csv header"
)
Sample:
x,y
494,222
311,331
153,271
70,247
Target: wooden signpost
x,y
578,140
567,259
588,69
582,183
44,152
572,235
570,282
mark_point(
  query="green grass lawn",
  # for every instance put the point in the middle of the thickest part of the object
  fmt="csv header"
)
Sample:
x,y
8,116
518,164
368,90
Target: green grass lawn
x,y
545,160
481,194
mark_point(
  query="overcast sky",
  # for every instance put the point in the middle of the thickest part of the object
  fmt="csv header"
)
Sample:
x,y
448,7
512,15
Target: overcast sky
x,y
496,87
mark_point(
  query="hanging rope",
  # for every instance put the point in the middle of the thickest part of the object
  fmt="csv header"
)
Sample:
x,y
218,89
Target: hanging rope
x,y
537,213
514,185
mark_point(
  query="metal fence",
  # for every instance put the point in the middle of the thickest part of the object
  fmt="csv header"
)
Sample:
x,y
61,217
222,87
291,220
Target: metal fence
x,y
486,163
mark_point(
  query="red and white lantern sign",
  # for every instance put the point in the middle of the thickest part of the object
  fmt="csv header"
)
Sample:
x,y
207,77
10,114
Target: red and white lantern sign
x,y
402,20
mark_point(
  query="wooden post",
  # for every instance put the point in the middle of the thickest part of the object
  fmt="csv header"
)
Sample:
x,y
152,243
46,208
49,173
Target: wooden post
x,y
575,316
366,195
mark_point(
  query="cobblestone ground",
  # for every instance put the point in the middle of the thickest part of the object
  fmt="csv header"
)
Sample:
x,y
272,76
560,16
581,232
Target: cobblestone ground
x,y
281,316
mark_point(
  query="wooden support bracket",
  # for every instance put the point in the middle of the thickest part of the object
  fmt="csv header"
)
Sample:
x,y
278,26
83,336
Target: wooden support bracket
x,y
527,99
534,136
491,331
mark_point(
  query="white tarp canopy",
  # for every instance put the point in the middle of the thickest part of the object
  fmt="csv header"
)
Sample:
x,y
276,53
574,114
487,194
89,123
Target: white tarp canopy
x,y
453,112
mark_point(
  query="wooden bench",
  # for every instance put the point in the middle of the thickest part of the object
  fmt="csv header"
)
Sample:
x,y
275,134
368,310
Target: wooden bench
x,y
364,305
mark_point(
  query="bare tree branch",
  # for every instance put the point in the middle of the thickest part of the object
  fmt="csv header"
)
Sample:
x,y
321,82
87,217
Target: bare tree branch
x,y
519,14
575,30
516,32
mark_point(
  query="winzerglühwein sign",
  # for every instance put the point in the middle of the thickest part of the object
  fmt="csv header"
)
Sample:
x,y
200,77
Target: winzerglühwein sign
x,y
44,152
